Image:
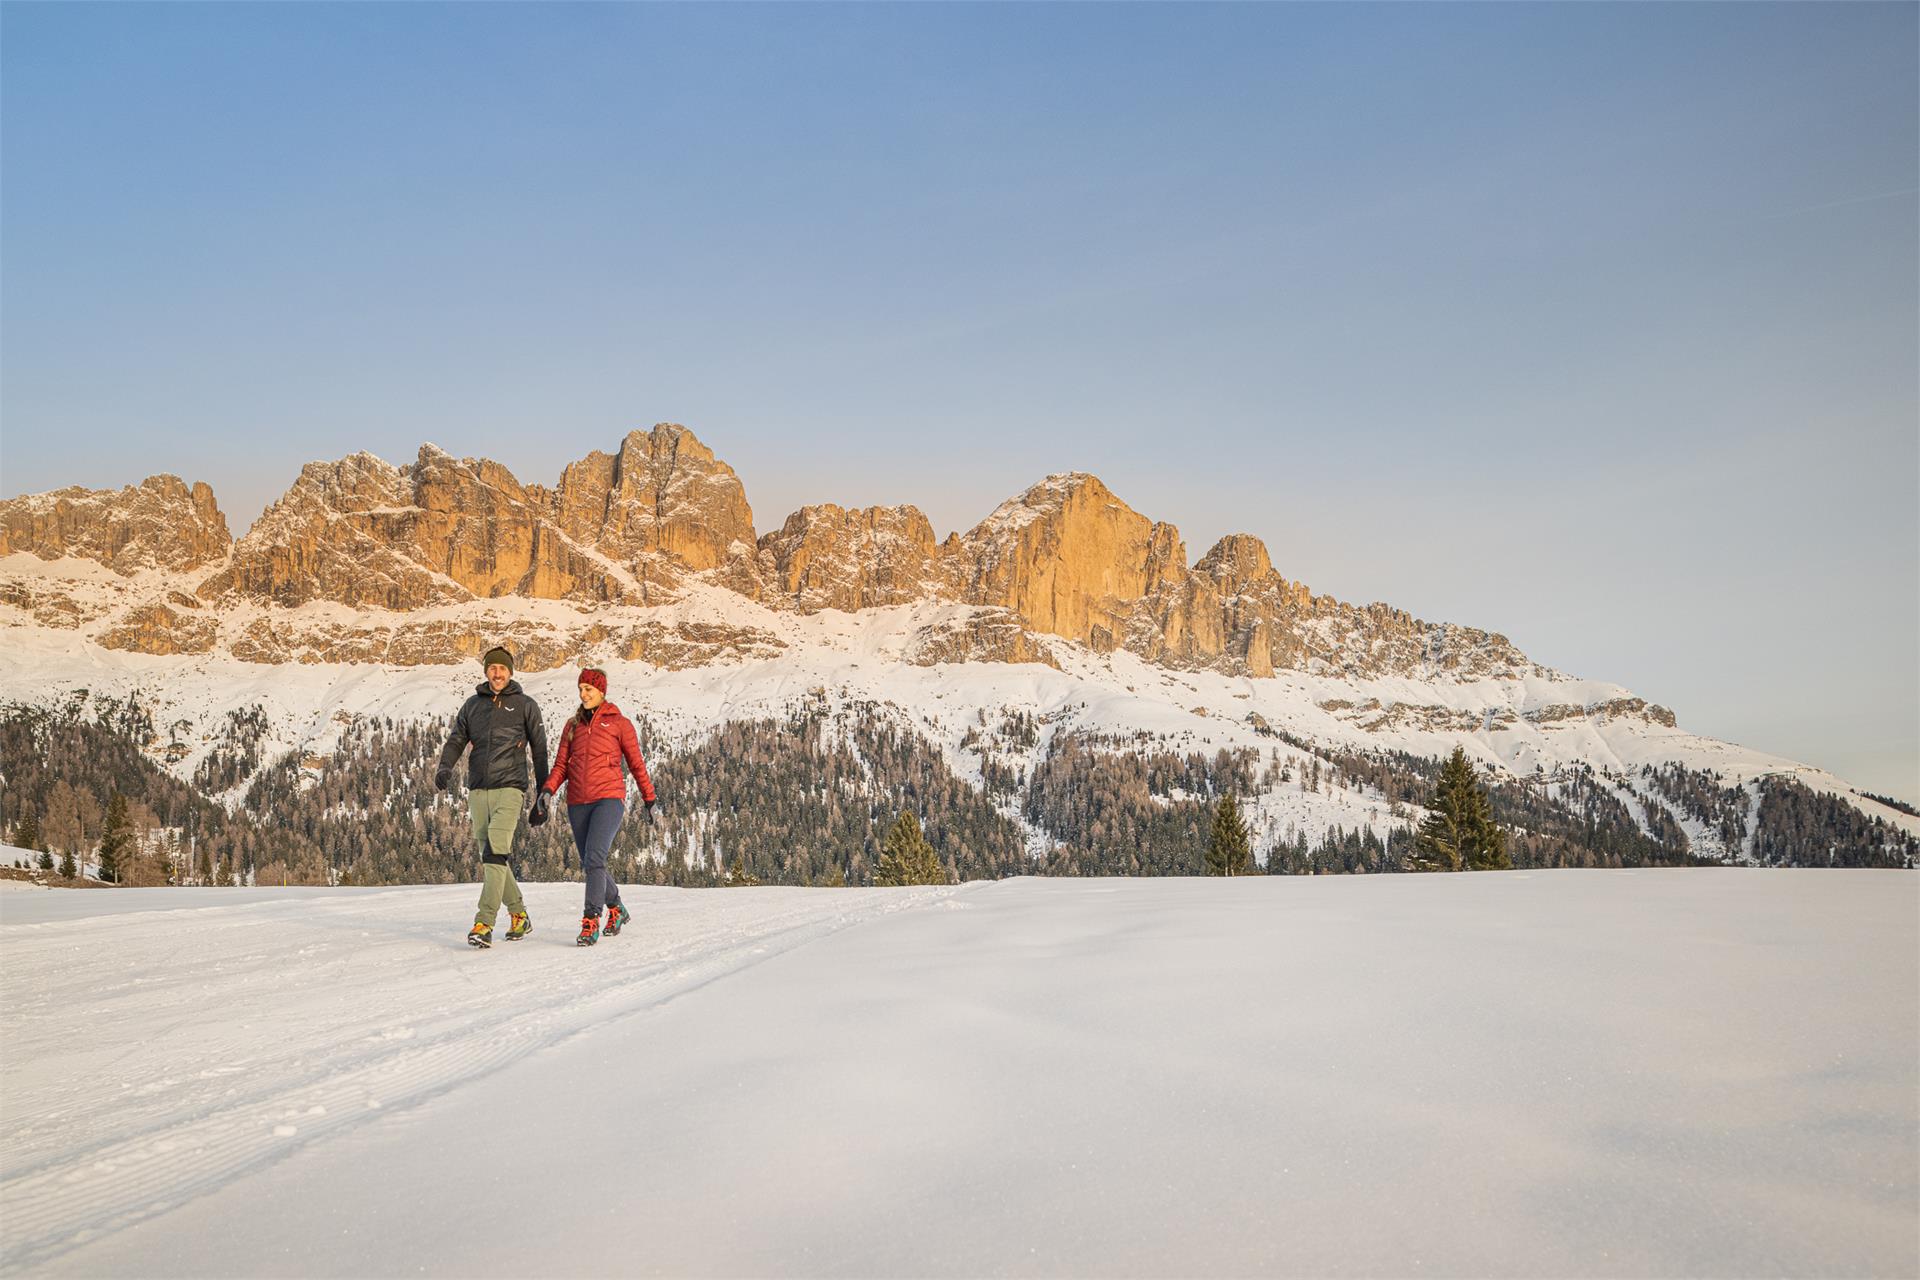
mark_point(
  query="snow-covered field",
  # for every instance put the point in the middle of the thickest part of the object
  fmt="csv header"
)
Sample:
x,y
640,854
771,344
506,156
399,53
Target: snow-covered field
x,y
1681,1072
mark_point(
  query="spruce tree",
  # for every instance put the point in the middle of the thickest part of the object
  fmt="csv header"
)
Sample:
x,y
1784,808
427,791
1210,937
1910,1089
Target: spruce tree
x,y
906,857
1459,831
67,870
1228,849
26,832
116,840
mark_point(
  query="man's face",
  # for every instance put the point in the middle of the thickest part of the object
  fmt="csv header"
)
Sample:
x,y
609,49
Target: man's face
x,y
498,673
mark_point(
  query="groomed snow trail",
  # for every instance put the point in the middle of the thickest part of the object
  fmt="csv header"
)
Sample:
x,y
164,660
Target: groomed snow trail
x,y
159,1043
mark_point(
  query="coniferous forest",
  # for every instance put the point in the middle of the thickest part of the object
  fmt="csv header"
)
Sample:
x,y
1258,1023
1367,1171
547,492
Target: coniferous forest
x,y
810,800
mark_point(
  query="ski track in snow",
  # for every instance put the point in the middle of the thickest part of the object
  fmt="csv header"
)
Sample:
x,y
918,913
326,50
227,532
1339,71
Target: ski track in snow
x,y
109,1123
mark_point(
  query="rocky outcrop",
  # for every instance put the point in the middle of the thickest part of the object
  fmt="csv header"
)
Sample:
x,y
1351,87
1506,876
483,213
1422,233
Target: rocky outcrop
x,y
536,646
619,528
1067,558
355,532
1375,716
828,557
664,495
687,645
160,523
636,527
991,635
59,605
1624,708
1270,623
162,629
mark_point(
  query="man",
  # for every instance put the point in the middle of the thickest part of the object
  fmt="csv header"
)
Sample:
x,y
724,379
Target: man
x,y
502,724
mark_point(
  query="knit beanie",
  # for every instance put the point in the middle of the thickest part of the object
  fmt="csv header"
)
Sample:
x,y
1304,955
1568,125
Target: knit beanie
x,y
595,677
499,655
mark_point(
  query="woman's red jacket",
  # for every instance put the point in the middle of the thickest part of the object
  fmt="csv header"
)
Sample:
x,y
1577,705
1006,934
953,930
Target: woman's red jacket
x,y
589,758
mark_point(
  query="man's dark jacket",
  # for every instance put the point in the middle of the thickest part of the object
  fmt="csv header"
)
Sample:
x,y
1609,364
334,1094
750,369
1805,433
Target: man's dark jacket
x,y
501,726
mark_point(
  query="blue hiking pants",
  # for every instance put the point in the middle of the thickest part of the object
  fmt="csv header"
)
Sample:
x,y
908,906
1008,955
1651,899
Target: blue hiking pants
x,y
594,826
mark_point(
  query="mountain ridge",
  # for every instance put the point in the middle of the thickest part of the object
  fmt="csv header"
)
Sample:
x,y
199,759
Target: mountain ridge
x,y
1064,559
364,590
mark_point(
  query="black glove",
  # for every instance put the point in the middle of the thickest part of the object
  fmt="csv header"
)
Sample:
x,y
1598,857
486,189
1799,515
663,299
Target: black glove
x,y
541,802
649,811
442,779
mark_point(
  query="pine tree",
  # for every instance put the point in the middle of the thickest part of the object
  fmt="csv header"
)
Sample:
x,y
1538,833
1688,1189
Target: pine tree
x,y
906,857
116,840
1459,831
1228,849
26,832
67,870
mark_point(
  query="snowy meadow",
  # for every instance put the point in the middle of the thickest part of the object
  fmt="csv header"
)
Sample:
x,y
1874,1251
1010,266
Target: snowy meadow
x,y
1607,1073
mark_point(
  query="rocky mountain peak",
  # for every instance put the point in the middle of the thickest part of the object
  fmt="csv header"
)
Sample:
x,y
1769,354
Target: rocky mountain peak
x,y
160,523
625,527
1069,558
1237,561
661,505
701,512
346,531
831,557
1065,558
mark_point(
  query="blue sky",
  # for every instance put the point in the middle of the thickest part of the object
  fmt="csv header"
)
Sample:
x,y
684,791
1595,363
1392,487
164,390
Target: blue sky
x,y
1592,324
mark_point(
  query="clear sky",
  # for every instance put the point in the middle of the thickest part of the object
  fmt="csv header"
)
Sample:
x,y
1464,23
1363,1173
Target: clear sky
x,y
1597,325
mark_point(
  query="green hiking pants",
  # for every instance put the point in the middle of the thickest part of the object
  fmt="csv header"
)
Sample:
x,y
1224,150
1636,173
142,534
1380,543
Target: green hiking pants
x,y
496,812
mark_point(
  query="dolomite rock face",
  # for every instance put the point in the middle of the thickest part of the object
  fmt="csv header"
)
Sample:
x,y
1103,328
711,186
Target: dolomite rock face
x,y
160,523
1068,559
619,528
162,629
828,557
990,635
1252,599
660,508
1237,613
362,533
363,561
536,646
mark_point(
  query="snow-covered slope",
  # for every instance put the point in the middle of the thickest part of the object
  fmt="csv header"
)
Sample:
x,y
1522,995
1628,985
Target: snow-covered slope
x,y
1674,1072
1064,616
1531,726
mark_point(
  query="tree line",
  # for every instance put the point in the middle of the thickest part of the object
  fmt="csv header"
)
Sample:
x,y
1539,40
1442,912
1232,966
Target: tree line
x,y
814,798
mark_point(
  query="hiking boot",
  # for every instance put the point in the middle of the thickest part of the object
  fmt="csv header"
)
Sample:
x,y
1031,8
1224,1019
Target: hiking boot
x,y
521,924
589,931
617,917
482,935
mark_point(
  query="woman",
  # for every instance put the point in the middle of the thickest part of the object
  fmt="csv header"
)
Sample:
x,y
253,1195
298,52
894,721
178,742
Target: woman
x,y
588,764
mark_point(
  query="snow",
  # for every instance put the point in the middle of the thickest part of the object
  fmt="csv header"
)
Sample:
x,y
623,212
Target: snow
x,y
24,564
859,658
1572,1073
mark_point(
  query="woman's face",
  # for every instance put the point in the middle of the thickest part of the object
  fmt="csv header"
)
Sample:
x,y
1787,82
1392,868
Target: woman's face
x,y
590,696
